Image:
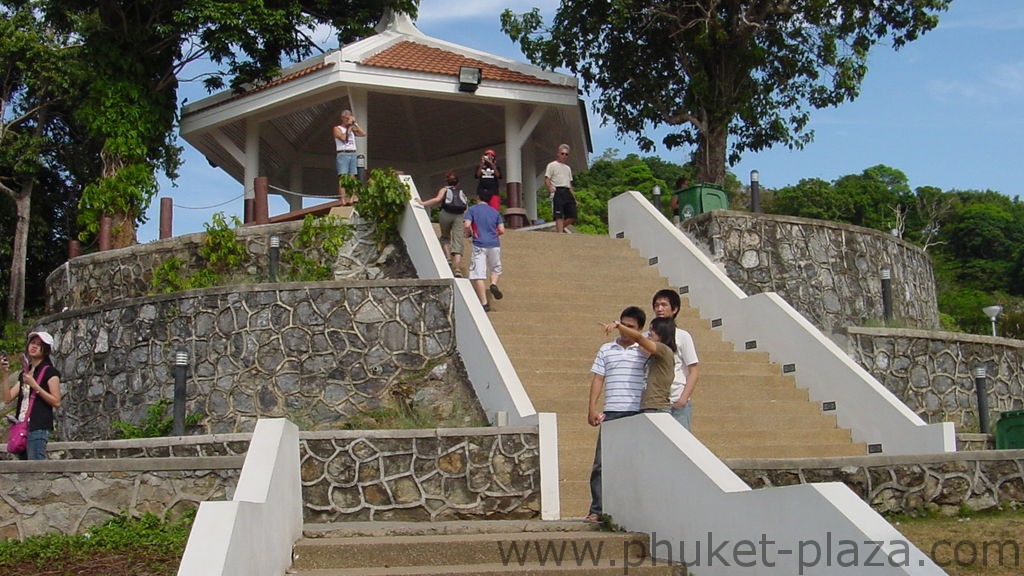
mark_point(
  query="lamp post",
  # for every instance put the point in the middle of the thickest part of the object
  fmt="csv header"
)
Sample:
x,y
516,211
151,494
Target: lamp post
x,y
656,192
180,368
755,191
993,312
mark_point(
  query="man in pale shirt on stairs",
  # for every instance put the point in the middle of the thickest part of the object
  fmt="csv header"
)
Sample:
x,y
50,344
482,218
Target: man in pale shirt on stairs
x,y
620,371
558,179
666,304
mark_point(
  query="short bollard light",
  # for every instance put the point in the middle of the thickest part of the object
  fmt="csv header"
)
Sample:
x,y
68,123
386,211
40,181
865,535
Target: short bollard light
x,y
273,257
887,295
180,370
981,389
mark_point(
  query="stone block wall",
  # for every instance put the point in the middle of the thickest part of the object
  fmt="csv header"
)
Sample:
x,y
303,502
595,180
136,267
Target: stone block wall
x,y
829,272
421,475
317,353
931,372
115,275
39,498
471,473
905,484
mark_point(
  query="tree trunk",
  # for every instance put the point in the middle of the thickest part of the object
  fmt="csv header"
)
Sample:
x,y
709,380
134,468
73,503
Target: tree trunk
x,y
124,233
19,254
710,157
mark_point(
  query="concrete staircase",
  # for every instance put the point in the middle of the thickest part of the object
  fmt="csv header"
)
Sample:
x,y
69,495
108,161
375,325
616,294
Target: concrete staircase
x,y
558,287
477,547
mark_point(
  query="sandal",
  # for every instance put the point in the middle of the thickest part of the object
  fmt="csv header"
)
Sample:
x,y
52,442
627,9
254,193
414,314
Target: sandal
x,y
592,519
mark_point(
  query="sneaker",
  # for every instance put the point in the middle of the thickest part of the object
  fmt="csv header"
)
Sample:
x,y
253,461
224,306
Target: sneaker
x,y
457,272
496,293
487,307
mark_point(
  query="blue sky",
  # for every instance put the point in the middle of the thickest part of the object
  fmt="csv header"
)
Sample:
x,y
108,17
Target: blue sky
x,y
947,110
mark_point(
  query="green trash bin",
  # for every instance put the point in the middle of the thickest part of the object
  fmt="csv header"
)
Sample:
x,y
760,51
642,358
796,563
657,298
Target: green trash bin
x,y
1010,430
700,198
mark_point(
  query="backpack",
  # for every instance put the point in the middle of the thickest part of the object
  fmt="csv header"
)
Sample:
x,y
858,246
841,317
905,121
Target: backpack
x,y
454,201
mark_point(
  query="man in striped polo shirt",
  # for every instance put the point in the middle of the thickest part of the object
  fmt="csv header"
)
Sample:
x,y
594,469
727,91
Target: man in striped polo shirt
x,y
619,371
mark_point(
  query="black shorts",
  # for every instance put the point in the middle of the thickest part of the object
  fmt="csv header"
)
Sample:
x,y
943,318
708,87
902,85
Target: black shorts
x,y
564,204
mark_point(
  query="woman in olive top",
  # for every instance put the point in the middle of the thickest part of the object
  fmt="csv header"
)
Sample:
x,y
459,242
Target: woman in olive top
x,y
660,346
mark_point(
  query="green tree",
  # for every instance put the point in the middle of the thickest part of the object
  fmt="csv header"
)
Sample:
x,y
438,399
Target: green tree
x,y
36,66
810,198
716,69
878,196
137,49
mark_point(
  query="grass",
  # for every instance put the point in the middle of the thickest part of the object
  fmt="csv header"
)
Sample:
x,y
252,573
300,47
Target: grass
x,y
990,543
146,546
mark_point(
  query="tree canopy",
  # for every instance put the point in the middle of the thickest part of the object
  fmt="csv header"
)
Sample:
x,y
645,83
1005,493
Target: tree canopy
x,y
719,69
136,50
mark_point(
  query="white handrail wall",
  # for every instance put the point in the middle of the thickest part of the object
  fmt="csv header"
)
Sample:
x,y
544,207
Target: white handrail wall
x,y
868,409
253,533
659,479
497,386
496,383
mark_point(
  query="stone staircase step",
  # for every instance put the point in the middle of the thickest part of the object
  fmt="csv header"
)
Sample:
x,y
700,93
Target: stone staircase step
x,y
601,567
467,551
580,389
531,322
762,450
727,371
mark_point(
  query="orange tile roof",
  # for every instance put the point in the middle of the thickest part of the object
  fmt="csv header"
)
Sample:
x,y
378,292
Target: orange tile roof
x,y
417,57
266,85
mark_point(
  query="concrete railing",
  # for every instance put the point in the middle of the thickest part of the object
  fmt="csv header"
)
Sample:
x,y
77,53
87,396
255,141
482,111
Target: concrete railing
x,y
497,386
253,533
766,322
658,478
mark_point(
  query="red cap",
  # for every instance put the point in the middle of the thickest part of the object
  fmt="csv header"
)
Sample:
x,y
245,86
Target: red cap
x,y
490,153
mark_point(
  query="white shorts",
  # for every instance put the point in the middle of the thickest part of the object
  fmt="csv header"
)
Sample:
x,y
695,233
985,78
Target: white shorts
x,y
483,262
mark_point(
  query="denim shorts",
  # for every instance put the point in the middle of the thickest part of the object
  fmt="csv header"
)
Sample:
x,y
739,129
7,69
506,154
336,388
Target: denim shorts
x,y
345,162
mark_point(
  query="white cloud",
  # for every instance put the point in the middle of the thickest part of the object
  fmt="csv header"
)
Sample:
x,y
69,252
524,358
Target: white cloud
x,y
996,84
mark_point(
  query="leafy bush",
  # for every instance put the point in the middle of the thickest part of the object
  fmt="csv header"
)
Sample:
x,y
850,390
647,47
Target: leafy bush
x,y
155,424
382,199
329,233
157,543
222,252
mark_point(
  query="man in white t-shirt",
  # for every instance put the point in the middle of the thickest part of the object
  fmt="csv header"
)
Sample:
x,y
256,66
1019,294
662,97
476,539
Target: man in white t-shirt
x,y
620,372
666,304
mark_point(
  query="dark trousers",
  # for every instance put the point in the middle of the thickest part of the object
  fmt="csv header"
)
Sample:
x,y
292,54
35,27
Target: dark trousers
x,y
595,472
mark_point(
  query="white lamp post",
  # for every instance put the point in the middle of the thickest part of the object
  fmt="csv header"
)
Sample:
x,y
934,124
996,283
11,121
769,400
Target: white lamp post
x,y
992,312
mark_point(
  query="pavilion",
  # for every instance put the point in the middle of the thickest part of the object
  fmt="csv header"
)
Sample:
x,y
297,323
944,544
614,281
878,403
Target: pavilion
x,y
421,118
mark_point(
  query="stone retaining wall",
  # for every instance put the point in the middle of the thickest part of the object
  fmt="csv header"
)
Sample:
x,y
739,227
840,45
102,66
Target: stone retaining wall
x,y
931,372
316,353
69,497
473,473
829,272
419,475
905,484
115,275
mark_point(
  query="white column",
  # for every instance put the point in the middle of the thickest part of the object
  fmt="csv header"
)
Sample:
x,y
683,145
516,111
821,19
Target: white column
x,y
252,156
357,100
295,185
513,143
530,183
